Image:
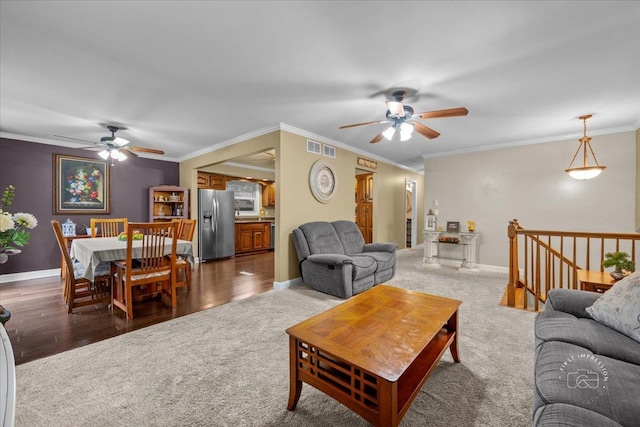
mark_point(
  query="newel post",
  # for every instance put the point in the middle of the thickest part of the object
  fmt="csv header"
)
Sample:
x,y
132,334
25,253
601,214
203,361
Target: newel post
x,y
513,262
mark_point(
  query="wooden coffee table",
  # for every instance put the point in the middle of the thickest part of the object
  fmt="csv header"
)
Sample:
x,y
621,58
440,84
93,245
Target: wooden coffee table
x,y
373,352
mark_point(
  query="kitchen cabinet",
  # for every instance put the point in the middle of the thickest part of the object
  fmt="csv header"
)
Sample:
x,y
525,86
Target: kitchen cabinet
x,y
269,195
167,202
211,180
253,236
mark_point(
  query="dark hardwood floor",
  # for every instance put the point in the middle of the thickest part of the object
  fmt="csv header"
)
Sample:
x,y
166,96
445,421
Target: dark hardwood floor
x,y
40,325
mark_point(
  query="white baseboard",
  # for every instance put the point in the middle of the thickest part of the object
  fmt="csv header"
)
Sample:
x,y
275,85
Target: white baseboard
x,y
287,283
28,275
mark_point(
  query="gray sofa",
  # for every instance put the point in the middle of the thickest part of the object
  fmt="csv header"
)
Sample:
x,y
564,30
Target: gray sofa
x,y
586,374
335,260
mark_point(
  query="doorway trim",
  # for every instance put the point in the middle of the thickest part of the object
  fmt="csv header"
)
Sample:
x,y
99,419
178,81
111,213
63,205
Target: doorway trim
x,y
413,186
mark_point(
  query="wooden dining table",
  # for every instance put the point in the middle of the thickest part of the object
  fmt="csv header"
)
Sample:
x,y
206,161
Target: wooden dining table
x,y
92,251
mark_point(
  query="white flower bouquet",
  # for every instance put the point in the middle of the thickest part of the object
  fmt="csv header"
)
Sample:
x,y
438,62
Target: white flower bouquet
x,y
13,228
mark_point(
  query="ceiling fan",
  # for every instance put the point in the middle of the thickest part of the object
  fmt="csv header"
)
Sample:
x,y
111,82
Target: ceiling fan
x,y
115,147
402,118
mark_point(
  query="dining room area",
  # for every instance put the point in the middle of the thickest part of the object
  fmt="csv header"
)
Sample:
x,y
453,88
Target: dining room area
x,y
122,262
40,325
49,312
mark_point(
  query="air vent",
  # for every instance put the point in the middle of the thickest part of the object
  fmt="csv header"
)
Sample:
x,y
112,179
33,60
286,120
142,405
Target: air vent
x,y
314,147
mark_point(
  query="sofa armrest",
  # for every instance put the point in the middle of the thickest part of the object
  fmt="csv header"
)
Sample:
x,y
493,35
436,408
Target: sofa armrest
x,y
332,259
379,247
571,301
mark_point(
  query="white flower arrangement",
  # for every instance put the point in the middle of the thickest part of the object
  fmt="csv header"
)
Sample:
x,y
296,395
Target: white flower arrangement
x,y
13,228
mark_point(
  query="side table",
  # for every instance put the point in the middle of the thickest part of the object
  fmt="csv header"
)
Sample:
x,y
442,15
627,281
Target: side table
x,y
595,281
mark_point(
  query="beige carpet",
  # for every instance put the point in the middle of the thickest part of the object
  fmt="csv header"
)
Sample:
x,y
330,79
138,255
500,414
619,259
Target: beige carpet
x,y
228,366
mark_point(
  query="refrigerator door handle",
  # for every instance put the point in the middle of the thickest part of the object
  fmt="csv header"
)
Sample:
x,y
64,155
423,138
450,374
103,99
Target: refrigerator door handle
x,y
215,214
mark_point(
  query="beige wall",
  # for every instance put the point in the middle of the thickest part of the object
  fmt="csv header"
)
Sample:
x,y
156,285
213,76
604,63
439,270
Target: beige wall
x,y
529,183
638,180
296,205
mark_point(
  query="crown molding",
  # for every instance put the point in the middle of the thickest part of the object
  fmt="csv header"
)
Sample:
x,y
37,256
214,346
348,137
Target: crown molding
x,y
246,166
230,142
38,140
320,138
608,131
301,132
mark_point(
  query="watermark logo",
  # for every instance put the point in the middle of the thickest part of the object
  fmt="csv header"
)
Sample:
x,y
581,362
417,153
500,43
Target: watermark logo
x,y
583,378
585,375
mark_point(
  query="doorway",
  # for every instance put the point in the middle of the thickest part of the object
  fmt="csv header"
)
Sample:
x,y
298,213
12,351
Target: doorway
x,y
364,203
411,202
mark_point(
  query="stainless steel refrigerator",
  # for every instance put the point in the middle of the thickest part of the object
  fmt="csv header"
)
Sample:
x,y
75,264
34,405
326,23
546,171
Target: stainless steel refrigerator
x,y
216,224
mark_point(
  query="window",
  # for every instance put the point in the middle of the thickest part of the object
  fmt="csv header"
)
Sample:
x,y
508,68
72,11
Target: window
x,y
247,197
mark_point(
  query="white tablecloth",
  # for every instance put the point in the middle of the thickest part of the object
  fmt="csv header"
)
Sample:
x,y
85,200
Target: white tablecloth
x,y
92,251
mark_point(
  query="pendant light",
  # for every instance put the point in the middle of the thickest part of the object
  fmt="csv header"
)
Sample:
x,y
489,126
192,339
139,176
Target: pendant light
x,y
585,171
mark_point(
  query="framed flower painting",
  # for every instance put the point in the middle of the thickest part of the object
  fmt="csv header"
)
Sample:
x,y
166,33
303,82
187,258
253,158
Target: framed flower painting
x,y
81,185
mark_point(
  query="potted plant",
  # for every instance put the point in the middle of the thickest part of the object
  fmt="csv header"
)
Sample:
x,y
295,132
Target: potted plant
x,y
623,266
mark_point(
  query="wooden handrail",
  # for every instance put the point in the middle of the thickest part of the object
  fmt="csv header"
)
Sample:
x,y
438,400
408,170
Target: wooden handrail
x,y
547,263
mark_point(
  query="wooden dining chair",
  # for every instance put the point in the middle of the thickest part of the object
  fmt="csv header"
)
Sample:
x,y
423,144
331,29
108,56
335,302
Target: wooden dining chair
x,y
183,267
178,222
151,266
78,290
109,227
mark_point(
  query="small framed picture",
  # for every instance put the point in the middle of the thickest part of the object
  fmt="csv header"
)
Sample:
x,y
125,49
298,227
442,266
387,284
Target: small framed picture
x,y
453,226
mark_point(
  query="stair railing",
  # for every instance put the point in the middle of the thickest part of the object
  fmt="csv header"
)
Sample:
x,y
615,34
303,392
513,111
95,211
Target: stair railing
x,y
551,259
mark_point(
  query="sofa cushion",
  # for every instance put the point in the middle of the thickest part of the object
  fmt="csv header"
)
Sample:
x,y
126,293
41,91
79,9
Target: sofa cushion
x,y
554,325
567,373
350,236
385,260
619,307
560,414
363,266
322,238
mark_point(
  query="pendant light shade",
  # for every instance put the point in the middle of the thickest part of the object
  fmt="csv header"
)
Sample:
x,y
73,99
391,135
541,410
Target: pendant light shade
x,y
585,171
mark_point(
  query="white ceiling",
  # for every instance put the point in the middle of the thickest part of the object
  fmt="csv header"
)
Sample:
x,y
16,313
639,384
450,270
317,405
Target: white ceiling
x,y
185,76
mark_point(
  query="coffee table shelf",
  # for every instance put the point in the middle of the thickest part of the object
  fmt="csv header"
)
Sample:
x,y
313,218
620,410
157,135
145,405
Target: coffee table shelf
x,y
415,376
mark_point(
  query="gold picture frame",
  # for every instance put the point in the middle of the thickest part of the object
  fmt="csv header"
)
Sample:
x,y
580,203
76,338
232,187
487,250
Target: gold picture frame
x,y
81,185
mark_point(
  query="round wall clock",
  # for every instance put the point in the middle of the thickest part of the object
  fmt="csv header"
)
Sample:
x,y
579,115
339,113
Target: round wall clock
x,y
323,181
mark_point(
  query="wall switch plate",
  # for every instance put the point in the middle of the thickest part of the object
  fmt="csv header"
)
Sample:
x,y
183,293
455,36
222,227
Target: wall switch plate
x,y
435,203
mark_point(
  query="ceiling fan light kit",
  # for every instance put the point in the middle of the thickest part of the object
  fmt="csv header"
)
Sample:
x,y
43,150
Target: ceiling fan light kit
x,y
114,153
389,132
402,118
115,147
585,171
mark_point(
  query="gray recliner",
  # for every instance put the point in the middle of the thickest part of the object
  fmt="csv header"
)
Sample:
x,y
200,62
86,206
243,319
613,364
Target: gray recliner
x,y
335,260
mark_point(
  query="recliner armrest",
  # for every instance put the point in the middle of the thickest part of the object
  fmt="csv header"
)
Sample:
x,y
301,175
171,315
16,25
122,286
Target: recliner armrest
x,y
333,259
572,301
379,247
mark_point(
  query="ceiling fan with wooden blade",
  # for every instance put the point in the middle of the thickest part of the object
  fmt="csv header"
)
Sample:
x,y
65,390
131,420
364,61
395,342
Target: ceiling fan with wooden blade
x,y
113,146
403,119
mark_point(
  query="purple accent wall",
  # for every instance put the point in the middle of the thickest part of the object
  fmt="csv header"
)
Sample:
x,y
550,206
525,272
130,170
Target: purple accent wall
x,y
29,167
